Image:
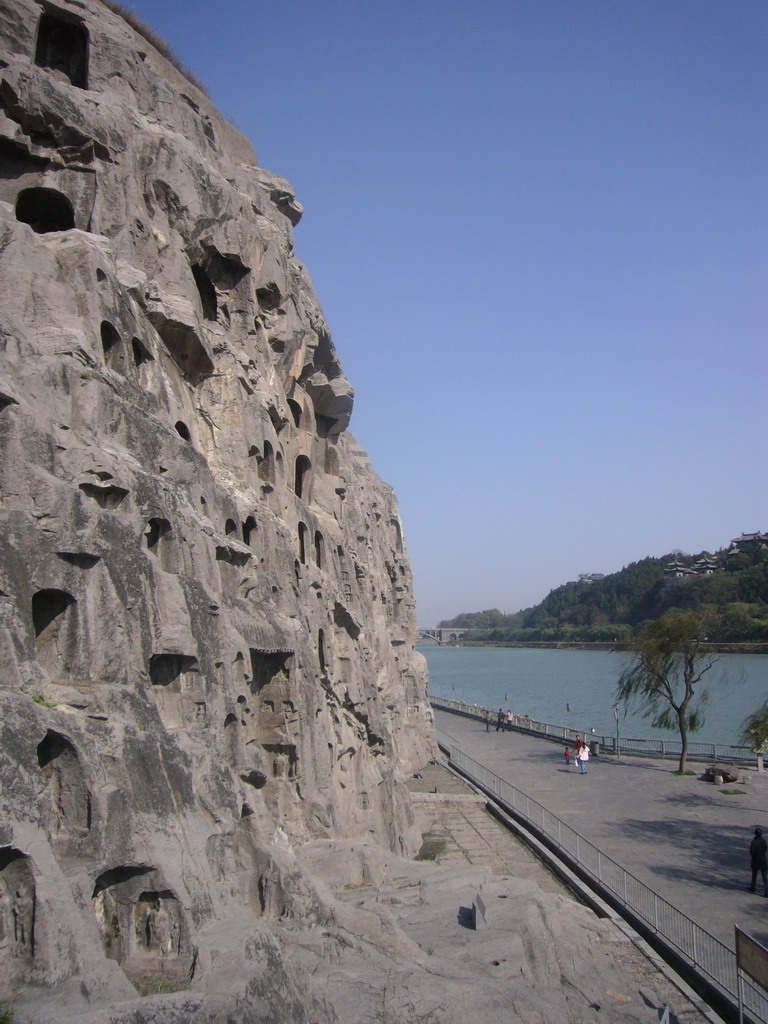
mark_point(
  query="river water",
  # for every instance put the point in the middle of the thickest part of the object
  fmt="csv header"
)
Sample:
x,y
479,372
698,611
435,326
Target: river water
x,y
542,683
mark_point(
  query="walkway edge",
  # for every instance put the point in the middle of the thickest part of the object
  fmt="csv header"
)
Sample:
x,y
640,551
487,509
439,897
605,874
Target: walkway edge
x,y
587,893
603,910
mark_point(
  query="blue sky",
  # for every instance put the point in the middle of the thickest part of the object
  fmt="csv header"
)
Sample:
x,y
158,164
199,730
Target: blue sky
x,y
539,232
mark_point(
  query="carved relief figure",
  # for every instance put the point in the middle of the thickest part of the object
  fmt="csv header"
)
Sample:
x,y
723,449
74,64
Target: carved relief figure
x,y
156,925
17,916
69,792
23,923
5,921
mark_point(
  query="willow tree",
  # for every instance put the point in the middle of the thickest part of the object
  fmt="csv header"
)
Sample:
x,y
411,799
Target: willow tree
x,y
669,659
754,731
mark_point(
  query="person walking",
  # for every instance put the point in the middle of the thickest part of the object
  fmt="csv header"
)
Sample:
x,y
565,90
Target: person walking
x,y
500,719
582,756
758,855
567,755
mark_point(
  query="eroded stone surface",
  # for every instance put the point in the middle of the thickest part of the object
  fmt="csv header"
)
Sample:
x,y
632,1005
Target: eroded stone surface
x,y
206,604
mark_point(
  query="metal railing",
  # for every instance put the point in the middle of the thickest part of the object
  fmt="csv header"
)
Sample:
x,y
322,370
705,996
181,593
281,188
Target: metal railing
x,y
697,750
700,950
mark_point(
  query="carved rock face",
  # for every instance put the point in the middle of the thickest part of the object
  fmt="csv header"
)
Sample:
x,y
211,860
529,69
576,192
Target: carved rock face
x,y
205,603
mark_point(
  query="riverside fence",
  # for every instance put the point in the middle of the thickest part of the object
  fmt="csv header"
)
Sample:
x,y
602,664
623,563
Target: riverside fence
x,y
704,956
697,751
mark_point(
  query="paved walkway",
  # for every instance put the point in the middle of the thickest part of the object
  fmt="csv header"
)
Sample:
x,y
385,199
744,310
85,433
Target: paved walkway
x,y
683,837
462,832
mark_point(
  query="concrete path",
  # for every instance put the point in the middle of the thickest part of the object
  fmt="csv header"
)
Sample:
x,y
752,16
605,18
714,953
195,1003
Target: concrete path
x,y
463,832
467,834
683,837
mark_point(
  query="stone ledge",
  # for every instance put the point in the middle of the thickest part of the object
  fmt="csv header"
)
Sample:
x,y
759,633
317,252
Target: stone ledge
x,y
447,798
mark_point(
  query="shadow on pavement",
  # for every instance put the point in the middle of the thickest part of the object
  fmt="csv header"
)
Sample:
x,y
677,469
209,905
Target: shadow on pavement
x,y
717,857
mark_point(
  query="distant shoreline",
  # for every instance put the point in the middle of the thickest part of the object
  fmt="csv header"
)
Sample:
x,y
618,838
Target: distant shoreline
x,y
586,645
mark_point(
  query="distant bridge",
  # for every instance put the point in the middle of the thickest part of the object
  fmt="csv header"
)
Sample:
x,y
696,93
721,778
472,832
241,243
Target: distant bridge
x,y
442,636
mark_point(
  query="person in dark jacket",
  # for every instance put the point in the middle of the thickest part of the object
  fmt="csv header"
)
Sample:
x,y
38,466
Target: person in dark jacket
x,y
758,854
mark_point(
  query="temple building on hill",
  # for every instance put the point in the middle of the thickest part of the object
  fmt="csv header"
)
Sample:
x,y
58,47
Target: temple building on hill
x,y
748,541
675,572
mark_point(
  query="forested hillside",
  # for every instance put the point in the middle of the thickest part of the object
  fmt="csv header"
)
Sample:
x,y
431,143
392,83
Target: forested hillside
x,y
733,601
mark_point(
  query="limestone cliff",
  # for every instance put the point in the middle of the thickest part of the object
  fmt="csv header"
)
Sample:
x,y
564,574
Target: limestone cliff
x,y
206,605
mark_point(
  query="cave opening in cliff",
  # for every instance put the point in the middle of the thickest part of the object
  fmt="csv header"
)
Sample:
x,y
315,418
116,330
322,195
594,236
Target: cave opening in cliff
x,y
157,527
140,353
186,349
171,669
344,620
295,408
276,419
45,210
269,297
16,163
249,528
302,477
206,291
105,495
268,667
47,607
183,430
62,45
327,426
51,610
321,653
267,464
111,344
284,759
303,531
161,543
319,550
70,797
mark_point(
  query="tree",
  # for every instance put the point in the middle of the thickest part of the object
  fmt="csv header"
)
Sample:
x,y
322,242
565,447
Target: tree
x,y
754,732
669,659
